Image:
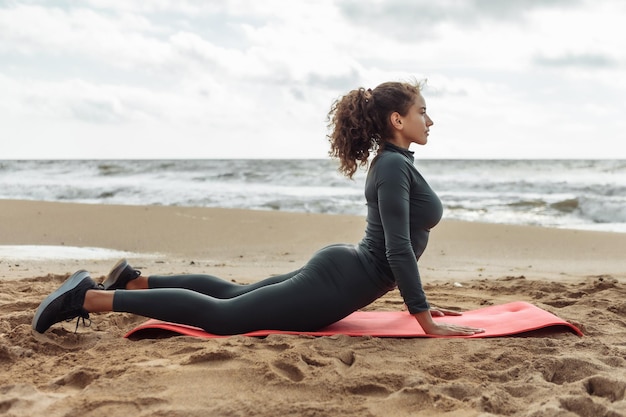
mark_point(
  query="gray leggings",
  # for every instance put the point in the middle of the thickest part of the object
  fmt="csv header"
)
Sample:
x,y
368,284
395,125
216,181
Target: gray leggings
x,y
333,284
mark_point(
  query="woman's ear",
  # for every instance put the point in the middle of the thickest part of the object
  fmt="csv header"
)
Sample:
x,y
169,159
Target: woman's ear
x,y
396,120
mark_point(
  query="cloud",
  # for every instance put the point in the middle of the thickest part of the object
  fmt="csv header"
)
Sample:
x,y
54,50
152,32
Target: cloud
x,y
338,81
237,40
126,41
190,7
262,75
421,20
514,9
82,101
585,60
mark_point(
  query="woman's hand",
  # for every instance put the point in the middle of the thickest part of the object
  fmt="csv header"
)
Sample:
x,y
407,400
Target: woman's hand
x,y
447,329
440,312
444,329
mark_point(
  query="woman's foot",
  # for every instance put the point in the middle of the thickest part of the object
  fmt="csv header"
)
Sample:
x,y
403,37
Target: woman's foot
x,y
120,275
65,303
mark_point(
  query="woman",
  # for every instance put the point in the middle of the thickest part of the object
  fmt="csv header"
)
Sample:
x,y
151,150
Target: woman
x,y
339,279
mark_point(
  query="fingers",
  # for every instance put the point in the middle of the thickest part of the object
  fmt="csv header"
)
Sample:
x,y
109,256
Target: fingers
x,y
474,331
440,312
456,330
468,331
452,313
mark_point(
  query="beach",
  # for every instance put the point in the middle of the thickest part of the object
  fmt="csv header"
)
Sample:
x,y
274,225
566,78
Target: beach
x,y
577,275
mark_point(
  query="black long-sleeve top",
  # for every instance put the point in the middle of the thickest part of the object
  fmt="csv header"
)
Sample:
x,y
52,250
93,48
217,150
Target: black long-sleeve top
x,y
402,208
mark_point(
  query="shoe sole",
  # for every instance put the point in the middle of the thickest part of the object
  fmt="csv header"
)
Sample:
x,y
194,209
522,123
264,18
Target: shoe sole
x,y
115,274
69,284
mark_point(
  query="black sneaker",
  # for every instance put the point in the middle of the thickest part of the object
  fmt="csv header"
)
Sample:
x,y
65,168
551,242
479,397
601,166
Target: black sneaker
x,y
119,276
65,303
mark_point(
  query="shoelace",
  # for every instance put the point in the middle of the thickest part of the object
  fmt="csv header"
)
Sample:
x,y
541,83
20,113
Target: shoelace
x,y
82,316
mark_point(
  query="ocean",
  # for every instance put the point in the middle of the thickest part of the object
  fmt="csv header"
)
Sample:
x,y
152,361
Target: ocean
x,y
574,194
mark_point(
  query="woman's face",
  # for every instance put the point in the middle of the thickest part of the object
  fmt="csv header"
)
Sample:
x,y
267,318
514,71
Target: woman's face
x,y
414,126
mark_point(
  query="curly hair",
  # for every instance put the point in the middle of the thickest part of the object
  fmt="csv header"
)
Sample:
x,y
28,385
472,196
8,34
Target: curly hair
x,y
359,122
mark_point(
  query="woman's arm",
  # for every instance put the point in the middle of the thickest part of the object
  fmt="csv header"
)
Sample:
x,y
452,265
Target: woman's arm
x,y
393,189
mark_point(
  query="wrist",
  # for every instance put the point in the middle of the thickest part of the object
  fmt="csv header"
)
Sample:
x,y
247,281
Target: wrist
x,y
425,320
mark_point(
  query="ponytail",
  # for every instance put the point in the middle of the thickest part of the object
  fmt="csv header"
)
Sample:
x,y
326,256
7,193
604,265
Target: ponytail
x,y
359,122
353,130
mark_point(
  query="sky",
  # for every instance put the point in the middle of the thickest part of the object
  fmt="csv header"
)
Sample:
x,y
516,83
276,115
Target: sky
x,y
169,79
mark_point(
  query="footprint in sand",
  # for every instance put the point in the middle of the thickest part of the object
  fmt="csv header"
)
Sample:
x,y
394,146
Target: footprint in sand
x,y
277,342
286,369
296,362
380,385
77,379
210,357
25,400
563,370
586,407
93,407
295,366
609,388
370,390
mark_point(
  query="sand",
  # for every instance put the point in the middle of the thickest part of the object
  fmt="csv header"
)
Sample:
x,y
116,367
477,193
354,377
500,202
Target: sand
x,y
578,275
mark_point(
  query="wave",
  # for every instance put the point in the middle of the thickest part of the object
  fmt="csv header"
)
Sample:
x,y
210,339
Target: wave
x,y
550,193
609,210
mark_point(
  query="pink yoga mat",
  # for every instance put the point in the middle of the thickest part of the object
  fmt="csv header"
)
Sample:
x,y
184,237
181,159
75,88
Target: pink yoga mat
x,y
501,320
